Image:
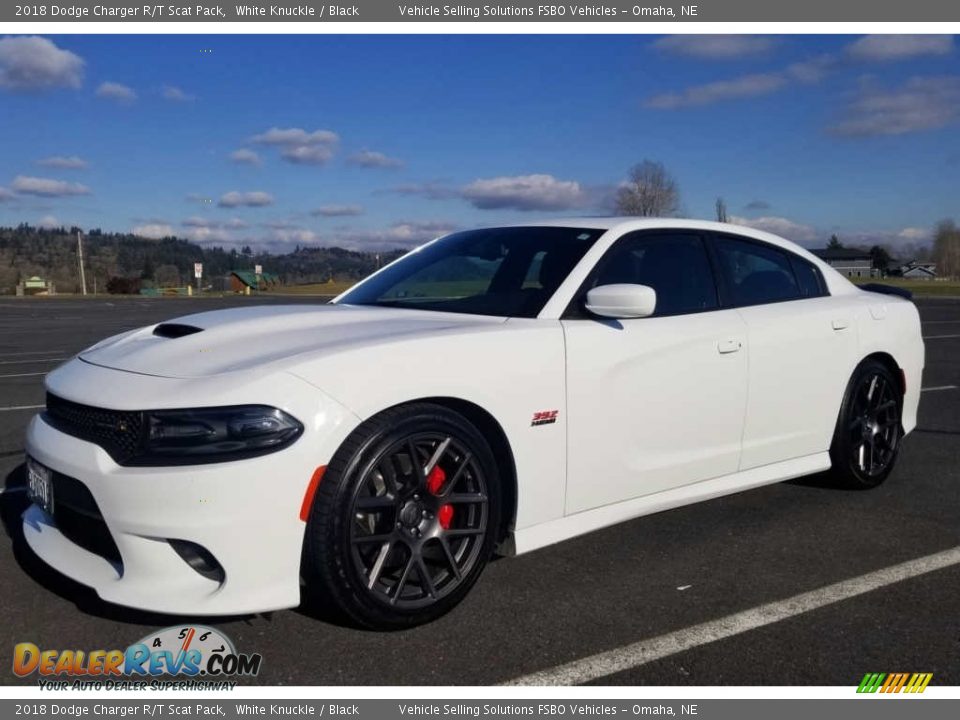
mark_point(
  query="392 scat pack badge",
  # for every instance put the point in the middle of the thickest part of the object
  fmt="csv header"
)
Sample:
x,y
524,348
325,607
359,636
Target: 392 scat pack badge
x,y
180,657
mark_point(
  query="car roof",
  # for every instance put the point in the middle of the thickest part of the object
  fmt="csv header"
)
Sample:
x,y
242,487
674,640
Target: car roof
x,y
628,224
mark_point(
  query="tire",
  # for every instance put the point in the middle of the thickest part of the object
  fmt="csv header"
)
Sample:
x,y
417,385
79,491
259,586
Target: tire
x,y
395,544
866,441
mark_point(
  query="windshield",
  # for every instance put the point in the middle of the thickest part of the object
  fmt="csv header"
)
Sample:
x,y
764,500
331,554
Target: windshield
x,y
507,272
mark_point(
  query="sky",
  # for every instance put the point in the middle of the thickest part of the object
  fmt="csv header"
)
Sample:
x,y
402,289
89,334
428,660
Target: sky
x,y
372,142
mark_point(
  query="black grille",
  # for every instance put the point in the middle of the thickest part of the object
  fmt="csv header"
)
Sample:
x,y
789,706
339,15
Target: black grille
x,y
78,518
119,432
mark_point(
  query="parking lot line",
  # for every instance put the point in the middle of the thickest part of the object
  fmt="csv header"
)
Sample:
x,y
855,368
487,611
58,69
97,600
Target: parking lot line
x,y
34,360
647,651
938,387
32,352
20,407
940,337
23,375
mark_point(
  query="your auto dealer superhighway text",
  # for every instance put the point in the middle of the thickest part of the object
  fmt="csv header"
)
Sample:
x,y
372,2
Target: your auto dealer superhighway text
x,y
195,11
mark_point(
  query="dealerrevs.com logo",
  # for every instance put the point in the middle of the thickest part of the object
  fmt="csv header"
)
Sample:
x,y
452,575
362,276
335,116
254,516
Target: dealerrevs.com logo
x,y
908,683
198,657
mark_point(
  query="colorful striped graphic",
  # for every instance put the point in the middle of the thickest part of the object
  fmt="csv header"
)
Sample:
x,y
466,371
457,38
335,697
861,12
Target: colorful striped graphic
x,y
894,682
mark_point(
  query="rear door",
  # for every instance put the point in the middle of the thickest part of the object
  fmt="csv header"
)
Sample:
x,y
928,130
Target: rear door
x,y
801,345
653,403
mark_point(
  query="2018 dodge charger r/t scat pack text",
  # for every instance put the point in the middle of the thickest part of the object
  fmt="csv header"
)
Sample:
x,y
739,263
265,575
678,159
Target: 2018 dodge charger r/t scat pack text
x,y
499,389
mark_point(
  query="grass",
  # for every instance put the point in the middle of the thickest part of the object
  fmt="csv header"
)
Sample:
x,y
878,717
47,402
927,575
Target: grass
x,y
327,288
919,287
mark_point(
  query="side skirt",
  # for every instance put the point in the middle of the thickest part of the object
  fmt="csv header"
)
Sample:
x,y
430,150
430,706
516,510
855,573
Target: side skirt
x,y
548,533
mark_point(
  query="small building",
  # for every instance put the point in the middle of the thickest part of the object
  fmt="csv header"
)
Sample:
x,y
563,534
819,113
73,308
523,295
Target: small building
x,y
242,281
915,270
851,262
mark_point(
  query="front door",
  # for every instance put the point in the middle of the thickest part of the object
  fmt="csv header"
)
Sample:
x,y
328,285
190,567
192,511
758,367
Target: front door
x,y
654,403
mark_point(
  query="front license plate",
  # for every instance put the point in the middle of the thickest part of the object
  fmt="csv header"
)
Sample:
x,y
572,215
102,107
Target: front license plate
x,y
40,485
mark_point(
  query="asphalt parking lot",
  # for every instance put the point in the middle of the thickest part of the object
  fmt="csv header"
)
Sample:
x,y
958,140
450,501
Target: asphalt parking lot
x,y
671,574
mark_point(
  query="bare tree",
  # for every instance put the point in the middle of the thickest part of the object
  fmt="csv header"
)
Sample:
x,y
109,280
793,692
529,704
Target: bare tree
x,y
946,249
650,192
721,210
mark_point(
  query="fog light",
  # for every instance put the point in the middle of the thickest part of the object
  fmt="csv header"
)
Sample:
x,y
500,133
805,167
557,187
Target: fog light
x,y
200,559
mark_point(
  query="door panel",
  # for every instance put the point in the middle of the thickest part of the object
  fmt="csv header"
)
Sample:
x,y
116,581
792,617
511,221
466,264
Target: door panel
x,y
801,354
652,404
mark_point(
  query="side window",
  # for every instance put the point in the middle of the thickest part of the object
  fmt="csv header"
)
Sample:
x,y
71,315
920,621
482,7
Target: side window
x,y
676,266
809,278
755,273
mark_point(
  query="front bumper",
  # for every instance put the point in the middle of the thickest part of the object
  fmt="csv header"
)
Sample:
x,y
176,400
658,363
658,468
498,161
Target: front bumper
x,y
245,513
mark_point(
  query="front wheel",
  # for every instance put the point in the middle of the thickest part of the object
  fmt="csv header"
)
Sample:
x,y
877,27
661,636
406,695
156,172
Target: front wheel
x,y
866,441
405,518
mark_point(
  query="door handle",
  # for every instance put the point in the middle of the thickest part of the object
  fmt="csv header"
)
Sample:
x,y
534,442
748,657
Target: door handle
x,y
728,346
840,323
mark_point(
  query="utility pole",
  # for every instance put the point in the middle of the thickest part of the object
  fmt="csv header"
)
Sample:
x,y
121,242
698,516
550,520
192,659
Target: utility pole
x,y
83,277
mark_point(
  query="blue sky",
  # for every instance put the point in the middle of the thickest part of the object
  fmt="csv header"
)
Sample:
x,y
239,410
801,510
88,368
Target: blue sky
x,y
380,141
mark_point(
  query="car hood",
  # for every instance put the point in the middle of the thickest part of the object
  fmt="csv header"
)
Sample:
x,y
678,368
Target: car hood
x,y
223,341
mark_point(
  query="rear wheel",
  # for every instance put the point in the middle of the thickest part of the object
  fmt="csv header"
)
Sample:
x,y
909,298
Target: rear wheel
x,y
405,517
866,442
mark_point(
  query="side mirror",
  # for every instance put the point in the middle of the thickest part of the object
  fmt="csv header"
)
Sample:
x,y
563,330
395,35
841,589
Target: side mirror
x,y
622,301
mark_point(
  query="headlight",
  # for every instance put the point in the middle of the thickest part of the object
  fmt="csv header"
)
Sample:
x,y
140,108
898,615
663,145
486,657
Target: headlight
x,y
205,435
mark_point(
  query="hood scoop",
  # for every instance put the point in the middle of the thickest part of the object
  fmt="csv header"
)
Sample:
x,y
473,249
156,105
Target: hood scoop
x,y
175,330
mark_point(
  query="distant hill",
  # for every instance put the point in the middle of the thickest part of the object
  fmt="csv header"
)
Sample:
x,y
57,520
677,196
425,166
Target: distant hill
x,y
51,253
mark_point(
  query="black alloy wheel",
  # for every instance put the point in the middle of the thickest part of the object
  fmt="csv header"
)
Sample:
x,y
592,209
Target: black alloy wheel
x,y
405,517
866,442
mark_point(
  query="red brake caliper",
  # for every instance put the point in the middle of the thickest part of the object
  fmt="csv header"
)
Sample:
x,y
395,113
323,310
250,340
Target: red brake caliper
x,y
435,481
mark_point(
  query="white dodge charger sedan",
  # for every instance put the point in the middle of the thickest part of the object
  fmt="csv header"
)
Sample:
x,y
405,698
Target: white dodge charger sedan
x,y
499,389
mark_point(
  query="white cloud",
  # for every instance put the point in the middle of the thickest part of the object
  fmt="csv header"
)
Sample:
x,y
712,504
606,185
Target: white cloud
x,y
921,103
405,233
209,234
300,146
433,190
47,222
338,210
245,156
524,192
296,136
35,63
715,47
116,92
915,234
6,195
807,71
195,221
307,154
878,48
64,162
256,198
175,94
812,70
745,86
47,187
782,226
153,231
372,159
236,224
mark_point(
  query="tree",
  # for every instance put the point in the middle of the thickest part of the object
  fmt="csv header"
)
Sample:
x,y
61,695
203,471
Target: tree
x,y
834,243
721,210
148,269
880,259
650,192
946,248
